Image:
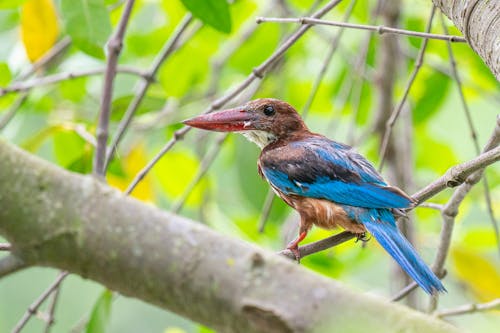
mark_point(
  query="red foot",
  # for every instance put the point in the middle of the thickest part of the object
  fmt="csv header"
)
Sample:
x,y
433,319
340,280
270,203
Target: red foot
x,y
294,245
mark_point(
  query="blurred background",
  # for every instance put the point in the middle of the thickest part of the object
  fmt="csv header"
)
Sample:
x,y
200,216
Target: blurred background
x,y
336,78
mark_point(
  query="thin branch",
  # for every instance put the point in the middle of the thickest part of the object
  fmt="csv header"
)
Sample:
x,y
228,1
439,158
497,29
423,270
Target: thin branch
x,y
469,308
431,205
397,111
114,48
360,69
457,175
326,63
320,245
412,286
5,247
52,309
9,115
379,29
202,170
257,73
266,210
170,46
10,264
53,53
225,52
64,76
33,308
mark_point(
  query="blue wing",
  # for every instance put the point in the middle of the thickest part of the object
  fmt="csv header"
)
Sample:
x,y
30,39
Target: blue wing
x,y
320,168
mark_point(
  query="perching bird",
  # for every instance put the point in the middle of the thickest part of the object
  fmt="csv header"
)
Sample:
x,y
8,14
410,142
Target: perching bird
x,y
327,182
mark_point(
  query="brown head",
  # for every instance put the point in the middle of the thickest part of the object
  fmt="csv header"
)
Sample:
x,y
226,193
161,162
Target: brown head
x,y
262,121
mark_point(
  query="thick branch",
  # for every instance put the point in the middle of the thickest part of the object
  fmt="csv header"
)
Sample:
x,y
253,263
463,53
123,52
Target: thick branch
x,y
479,22
72,222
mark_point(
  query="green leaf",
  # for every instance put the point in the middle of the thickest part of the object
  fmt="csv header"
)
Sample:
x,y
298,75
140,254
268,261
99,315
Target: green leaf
x,y
88,24
100,313
433,93
11,3
5,75
212,12
68,147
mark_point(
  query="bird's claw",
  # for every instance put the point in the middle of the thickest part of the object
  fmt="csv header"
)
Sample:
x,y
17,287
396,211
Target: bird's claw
x,y
363,237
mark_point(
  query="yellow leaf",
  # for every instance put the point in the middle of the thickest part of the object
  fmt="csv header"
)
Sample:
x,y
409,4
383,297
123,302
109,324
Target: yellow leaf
x,y
132,164
39,27
480,274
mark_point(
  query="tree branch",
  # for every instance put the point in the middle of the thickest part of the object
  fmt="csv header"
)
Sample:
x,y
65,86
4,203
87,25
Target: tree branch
x,y
469,308
115,45
133,248
478,22
458,174
10,264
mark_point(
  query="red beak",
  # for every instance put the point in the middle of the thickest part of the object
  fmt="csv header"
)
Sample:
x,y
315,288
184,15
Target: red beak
x,y
231,120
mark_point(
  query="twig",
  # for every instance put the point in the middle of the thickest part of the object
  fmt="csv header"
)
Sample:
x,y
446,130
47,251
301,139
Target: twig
x,y
114,48
360,68
457,175
320,245
55,78
469,308
52,308
9,115
326,63
412,286
55,51
431,205
257,73
266,210
220,59
379,29
170,46
33,308
202,170
396,112
5,247
10,264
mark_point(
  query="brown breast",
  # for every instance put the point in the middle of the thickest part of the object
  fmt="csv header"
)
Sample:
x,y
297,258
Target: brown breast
x,y
323,213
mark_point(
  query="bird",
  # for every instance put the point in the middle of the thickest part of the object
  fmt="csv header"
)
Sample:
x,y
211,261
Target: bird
x,y
328,183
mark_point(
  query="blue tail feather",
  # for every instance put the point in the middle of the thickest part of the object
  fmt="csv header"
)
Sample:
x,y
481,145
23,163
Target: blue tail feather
x,y
381,224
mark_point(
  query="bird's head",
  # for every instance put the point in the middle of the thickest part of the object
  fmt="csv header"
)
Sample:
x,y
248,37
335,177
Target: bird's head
x,y
262,121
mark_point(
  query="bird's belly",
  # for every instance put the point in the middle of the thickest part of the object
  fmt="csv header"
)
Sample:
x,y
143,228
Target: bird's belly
x,y
325,214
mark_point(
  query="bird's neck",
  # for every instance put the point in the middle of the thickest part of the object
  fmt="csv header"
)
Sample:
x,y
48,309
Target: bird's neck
x,y
264,139
260,138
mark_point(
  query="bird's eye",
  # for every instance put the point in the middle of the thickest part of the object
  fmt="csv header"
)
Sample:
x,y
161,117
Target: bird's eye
x,y
269,110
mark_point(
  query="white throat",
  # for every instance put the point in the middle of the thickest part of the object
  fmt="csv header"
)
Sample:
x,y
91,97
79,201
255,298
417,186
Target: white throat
x,y
260,138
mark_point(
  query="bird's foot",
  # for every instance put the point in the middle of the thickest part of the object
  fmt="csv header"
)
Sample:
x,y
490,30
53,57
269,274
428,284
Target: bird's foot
x,y
363,237
295,251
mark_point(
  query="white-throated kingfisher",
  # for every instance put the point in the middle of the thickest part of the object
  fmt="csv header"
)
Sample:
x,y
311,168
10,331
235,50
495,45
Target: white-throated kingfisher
x,y
327,182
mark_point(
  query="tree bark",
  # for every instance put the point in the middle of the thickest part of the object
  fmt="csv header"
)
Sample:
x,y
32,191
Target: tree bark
x,y
72,222
479,22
